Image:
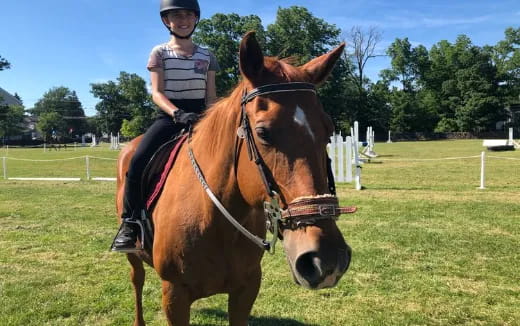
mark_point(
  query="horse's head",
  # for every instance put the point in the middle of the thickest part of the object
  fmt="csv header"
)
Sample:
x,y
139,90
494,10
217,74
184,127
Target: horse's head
x,y
290,131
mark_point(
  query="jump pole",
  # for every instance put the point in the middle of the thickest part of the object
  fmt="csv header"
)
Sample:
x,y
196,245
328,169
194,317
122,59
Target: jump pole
x,y
349,159
341,168
87,163
4,164
482,170
332,153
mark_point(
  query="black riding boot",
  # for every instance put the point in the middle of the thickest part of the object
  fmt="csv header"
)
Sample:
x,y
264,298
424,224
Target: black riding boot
x,y
126,238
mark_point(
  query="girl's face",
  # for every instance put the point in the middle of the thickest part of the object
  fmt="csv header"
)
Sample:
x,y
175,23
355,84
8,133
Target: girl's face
x,y
182,22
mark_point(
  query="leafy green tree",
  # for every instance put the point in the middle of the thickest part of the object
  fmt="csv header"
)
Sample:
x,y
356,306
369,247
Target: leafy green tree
x,y
95,125
464,81
4,64
379,110
132,128
49,124
408,64
506,58
222,34
297,33
11,120
66,105
127,98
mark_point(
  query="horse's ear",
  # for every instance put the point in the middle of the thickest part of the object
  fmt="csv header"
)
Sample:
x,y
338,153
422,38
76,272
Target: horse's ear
x,y
251,57
319,68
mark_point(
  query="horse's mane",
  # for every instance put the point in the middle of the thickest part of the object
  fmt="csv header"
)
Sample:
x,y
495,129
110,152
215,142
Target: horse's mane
x,y
219,125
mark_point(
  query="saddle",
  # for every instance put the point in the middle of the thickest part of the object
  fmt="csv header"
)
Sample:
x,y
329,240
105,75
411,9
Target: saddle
x,y
152,183
158,168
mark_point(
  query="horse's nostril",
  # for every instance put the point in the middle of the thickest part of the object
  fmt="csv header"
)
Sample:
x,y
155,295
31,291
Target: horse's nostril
x,y
309,266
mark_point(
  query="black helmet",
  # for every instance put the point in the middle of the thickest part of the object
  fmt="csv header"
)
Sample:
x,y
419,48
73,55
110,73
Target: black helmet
x,y
167,5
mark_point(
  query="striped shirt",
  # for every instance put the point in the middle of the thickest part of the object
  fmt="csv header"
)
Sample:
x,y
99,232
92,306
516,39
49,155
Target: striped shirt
x,y
184,76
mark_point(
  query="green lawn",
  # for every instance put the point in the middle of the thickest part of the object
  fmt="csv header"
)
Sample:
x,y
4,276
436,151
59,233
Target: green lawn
x,y
429,248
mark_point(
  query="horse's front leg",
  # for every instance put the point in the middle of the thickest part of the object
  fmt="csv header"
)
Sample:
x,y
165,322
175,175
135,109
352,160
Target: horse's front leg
x,y
176,303
137,275
241,300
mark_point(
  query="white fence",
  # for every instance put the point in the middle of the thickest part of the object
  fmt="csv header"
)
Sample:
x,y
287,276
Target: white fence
x,y
88,174
347,156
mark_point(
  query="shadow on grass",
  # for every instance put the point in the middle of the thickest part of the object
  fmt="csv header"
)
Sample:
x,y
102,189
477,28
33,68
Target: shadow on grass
x,y
253,321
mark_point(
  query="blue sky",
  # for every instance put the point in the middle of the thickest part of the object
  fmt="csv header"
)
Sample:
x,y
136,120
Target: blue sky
x,y
74,43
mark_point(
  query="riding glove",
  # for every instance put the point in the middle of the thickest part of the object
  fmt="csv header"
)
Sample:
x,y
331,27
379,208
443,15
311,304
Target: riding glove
x,y
181,116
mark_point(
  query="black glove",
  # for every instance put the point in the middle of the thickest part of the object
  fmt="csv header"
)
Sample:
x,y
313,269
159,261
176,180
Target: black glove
x,y
181,116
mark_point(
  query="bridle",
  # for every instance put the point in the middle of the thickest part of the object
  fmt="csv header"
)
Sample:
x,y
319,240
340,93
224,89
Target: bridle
x,y
301,211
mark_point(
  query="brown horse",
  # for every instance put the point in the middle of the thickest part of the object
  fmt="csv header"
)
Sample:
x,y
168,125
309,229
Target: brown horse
x,y
280,157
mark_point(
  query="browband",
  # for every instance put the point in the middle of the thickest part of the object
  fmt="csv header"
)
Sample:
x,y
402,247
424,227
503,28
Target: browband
x,y
278,88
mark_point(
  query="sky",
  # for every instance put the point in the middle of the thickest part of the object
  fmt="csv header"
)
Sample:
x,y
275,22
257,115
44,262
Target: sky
x,y
75,43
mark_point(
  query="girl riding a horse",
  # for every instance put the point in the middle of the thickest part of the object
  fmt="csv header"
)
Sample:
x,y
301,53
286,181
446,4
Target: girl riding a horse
x,y
183,85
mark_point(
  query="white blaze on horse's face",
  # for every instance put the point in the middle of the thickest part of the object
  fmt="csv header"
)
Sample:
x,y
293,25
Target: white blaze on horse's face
x,y
301,119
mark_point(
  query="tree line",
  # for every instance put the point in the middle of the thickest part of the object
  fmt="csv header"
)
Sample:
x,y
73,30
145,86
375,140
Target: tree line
x,y
450,87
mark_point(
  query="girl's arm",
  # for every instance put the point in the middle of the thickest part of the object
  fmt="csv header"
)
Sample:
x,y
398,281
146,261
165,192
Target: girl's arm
x,y
211,89
158,97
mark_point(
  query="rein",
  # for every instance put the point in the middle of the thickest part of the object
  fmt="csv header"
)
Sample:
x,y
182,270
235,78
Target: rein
x,y
301,211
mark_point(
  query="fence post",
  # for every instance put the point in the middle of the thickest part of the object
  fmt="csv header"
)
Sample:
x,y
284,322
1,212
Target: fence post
x,y
389,138
332,154
341,158
88,167
482,170
4,164
349,159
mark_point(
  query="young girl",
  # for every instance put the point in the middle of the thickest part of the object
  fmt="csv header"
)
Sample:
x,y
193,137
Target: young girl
x,y
183,85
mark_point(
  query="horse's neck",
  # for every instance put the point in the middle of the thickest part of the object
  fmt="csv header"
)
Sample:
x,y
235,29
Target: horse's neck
x,y
214,141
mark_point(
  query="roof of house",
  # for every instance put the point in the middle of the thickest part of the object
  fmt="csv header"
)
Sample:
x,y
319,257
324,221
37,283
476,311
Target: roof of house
x,y
8,99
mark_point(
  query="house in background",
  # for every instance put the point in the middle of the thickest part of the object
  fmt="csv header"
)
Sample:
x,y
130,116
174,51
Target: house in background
x,y
29,123
8,99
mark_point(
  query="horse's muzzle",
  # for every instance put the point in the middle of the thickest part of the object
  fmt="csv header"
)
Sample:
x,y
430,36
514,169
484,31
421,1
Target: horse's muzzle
x,y
312,271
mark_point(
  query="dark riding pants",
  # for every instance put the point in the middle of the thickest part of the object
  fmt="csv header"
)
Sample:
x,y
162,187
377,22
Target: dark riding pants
x,y
162,130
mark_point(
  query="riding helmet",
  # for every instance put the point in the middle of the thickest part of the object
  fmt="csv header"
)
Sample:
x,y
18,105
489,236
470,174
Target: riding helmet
x,y
167,5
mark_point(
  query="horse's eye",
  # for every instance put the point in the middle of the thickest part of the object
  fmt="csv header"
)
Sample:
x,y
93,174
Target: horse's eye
x,y
263,134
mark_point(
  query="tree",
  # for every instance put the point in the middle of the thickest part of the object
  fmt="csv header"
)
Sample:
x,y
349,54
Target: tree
x,y
413,108
4,64
11,120
464,80
132,128
18,97
222,34
408,64
297,33
506,57
68,109
366,108
50,124
361,47
127,98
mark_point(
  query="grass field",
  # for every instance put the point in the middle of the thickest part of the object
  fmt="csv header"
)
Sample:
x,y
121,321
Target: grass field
x,y
429,248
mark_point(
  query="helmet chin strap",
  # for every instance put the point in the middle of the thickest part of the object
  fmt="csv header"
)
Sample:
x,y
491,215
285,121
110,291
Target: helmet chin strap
x,y
183,37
